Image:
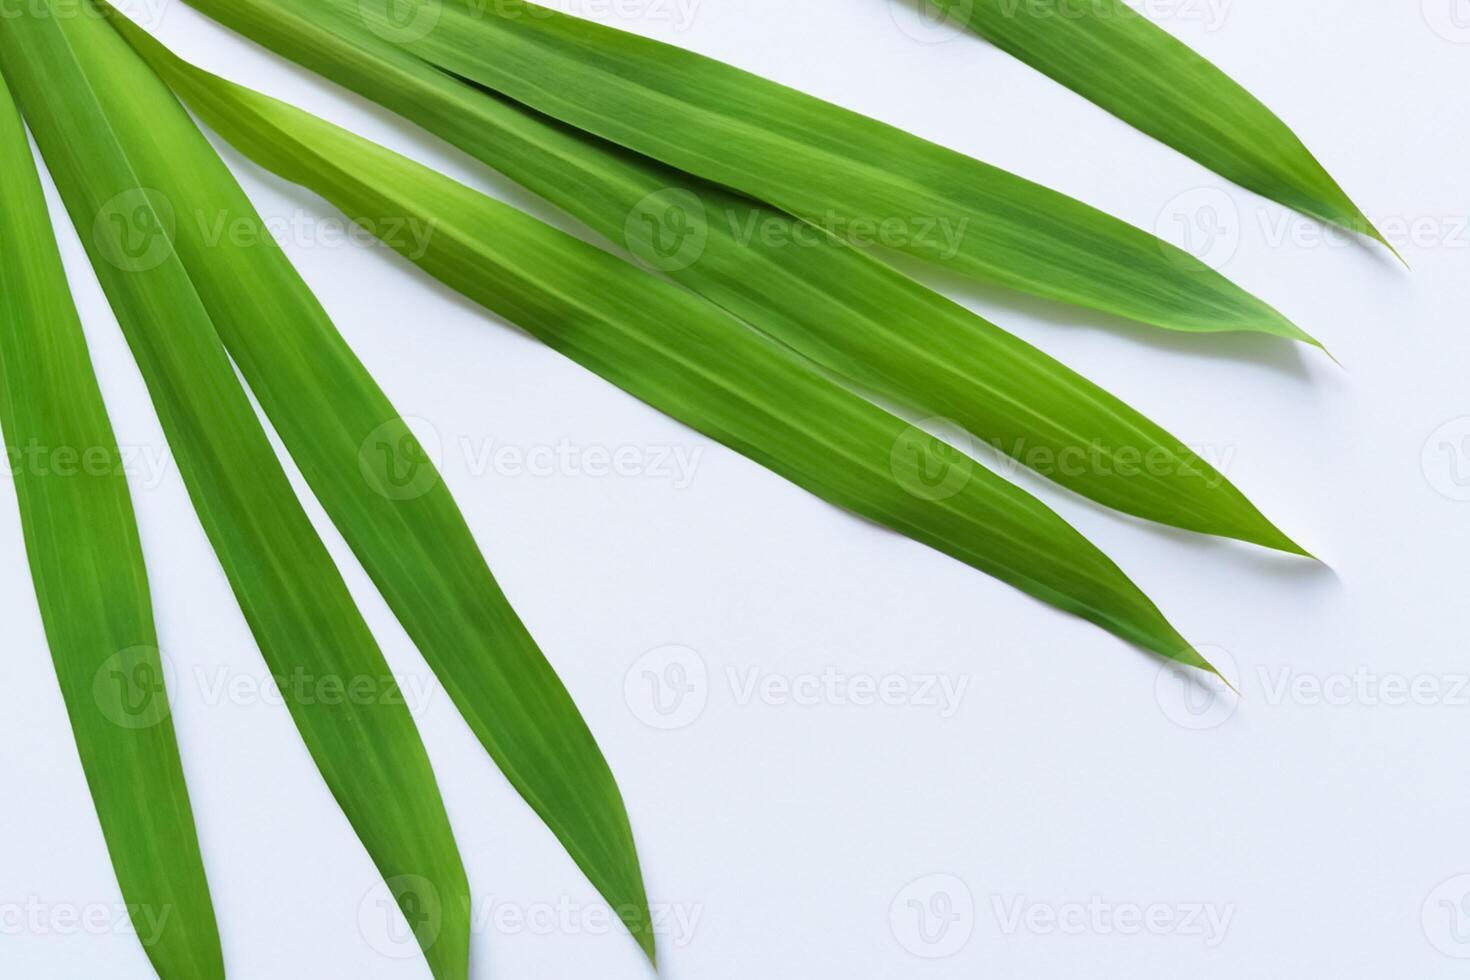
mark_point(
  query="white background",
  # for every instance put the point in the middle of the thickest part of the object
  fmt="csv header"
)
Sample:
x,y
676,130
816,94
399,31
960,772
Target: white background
x,y
1320,820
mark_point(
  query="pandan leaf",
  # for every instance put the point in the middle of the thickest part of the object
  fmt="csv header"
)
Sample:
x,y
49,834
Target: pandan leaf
x,y
401,520
94,108
815,160
686,357
87,564
834,303
1108,53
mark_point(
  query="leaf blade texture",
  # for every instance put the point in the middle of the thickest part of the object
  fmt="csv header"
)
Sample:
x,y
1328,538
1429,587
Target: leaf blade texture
x,y
91,583
834,303
94,107
1125,63
686,357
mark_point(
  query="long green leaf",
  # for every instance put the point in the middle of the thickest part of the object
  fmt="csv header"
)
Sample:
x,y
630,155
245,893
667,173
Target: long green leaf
x,y
830,166
91,103
87,564
401,520
1119,59
832,302
686,357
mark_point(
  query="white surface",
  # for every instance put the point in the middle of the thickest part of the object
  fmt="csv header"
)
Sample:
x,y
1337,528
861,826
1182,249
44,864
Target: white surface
x,y
1293,834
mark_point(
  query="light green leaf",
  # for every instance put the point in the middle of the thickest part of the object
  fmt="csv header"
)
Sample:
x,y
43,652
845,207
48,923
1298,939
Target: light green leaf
x,y
91,583
815,160
684,356
834,303
1119,59
95,109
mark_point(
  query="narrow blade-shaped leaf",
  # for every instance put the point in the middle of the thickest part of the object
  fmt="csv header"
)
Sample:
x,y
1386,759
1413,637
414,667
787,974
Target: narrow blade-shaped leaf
x,y
87,564
89,100
394,510
834,303
1107,52
688,358
828,165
